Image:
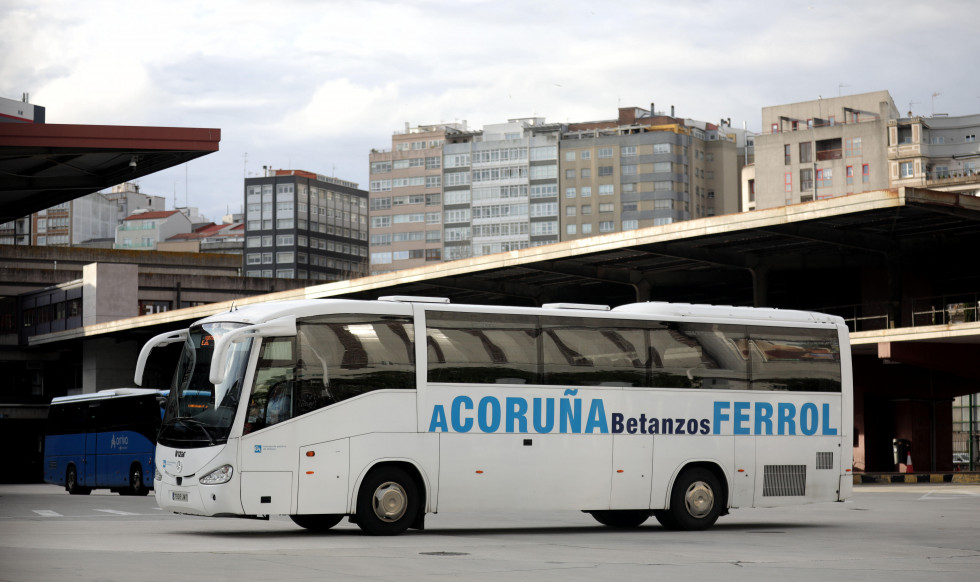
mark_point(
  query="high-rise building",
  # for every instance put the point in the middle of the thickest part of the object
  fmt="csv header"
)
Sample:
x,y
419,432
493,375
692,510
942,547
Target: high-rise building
x,y
301,225
406,203
822,149
644,169
500,188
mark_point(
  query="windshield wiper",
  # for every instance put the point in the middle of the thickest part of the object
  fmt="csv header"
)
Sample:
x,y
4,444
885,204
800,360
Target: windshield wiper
x,y
189,421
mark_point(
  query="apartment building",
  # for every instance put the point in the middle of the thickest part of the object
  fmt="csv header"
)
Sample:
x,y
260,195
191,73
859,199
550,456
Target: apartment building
x,y
822,149
144,230
939,153
501,188
645,169
405,198
302,225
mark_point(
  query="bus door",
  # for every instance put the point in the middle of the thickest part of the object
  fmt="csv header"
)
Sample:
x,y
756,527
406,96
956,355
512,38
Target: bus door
x,y
268,459
88,473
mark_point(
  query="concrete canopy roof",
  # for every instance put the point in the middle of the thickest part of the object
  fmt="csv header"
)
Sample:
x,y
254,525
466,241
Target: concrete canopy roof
x,y
45,164
822,255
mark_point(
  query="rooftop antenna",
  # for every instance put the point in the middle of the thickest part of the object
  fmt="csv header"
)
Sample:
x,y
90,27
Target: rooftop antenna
x,y
934,95
841,86
911,103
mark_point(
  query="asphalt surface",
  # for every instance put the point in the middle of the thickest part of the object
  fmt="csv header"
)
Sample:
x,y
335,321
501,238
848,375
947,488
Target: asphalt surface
x,y
884,532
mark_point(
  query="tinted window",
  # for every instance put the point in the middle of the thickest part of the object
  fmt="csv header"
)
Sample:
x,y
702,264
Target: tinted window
x,y
580,351
332,358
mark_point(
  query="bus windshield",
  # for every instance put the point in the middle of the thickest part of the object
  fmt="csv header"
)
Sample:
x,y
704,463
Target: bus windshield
x,y
199,413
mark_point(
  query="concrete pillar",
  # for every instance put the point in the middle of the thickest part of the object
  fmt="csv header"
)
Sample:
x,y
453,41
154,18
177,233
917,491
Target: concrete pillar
x,y
109,292
108,362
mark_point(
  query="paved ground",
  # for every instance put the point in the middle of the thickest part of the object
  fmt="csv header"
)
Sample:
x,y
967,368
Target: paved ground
x,y
885,532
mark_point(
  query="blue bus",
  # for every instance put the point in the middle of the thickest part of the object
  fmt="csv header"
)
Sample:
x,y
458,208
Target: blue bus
x,y
103,440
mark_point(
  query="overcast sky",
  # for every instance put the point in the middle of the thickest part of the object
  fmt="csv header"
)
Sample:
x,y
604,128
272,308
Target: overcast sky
x,y
314,84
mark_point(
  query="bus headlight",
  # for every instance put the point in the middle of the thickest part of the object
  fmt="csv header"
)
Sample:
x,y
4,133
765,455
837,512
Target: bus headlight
x,y
157,475
220,475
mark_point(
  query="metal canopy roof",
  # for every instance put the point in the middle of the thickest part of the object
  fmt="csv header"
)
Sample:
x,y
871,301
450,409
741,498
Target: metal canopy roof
x,y
42,165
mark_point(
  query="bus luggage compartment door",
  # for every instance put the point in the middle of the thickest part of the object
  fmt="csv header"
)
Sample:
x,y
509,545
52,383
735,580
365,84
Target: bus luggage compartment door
x,y
324,471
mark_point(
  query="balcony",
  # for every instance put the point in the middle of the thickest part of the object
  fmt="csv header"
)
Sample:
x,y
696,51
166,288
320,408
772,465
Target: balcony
x,y
824,155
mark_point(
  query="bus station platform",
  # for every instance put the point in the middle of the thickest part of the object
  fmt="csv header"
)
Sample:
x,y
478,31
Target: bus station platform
x,y
918,477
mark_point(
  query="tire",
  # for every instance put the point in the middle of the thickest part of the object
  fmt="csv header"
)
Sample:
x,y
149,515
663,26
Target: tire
x,y
388,502
666,519
71,483
321,522
621,518
696,500
136,486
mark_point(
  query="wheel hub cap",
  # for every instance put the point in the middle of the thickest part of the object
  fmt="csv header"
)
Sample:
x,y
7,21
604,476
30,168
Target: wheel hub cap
x,y
699,499
390,501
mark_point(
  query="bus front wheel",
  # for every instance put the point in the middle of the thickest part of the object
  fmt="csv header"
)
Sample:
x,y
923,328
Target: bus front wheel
x,y
71,483
136,486
695,501
321,522
388,502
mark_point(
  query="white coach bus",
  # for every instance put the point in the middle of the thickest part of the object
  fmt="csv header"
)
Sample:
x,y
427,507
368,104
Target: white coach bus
x,y
387,410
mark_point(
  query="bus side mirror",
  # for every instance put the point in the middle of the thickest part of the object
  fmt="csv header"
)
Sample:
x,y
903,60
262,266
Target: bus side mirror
x,y
171,337
284,326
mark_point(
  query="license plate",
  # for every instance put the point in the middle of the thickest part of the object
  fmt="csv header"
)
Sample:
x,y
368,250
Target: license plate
x,y
179,496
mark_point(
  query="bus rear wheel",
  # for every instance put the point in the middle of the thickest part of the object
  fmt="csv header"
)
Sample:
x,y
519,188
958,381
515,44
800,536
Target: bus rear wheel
x,y
621,518
320,522
71,483
695,501
388,502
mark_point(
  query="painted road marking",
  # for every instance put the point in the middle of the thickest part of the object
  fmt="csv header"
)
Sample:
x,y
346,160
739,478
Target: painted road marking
x,y
47,513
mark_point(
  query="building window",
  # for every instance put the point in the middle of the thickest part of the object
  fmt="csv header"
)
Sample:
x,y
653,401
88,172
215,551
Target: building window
x,y
905,169
571,210
607,189
631,224
852,147
569,174
788,182
587,228
605,153
627,151
866,173
606,226
606,207
586,172
605,171
571,228
849,173
970,138
786,156
586,191
570,156
628,170
569,192
825,178
806,152
586,155
586,209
